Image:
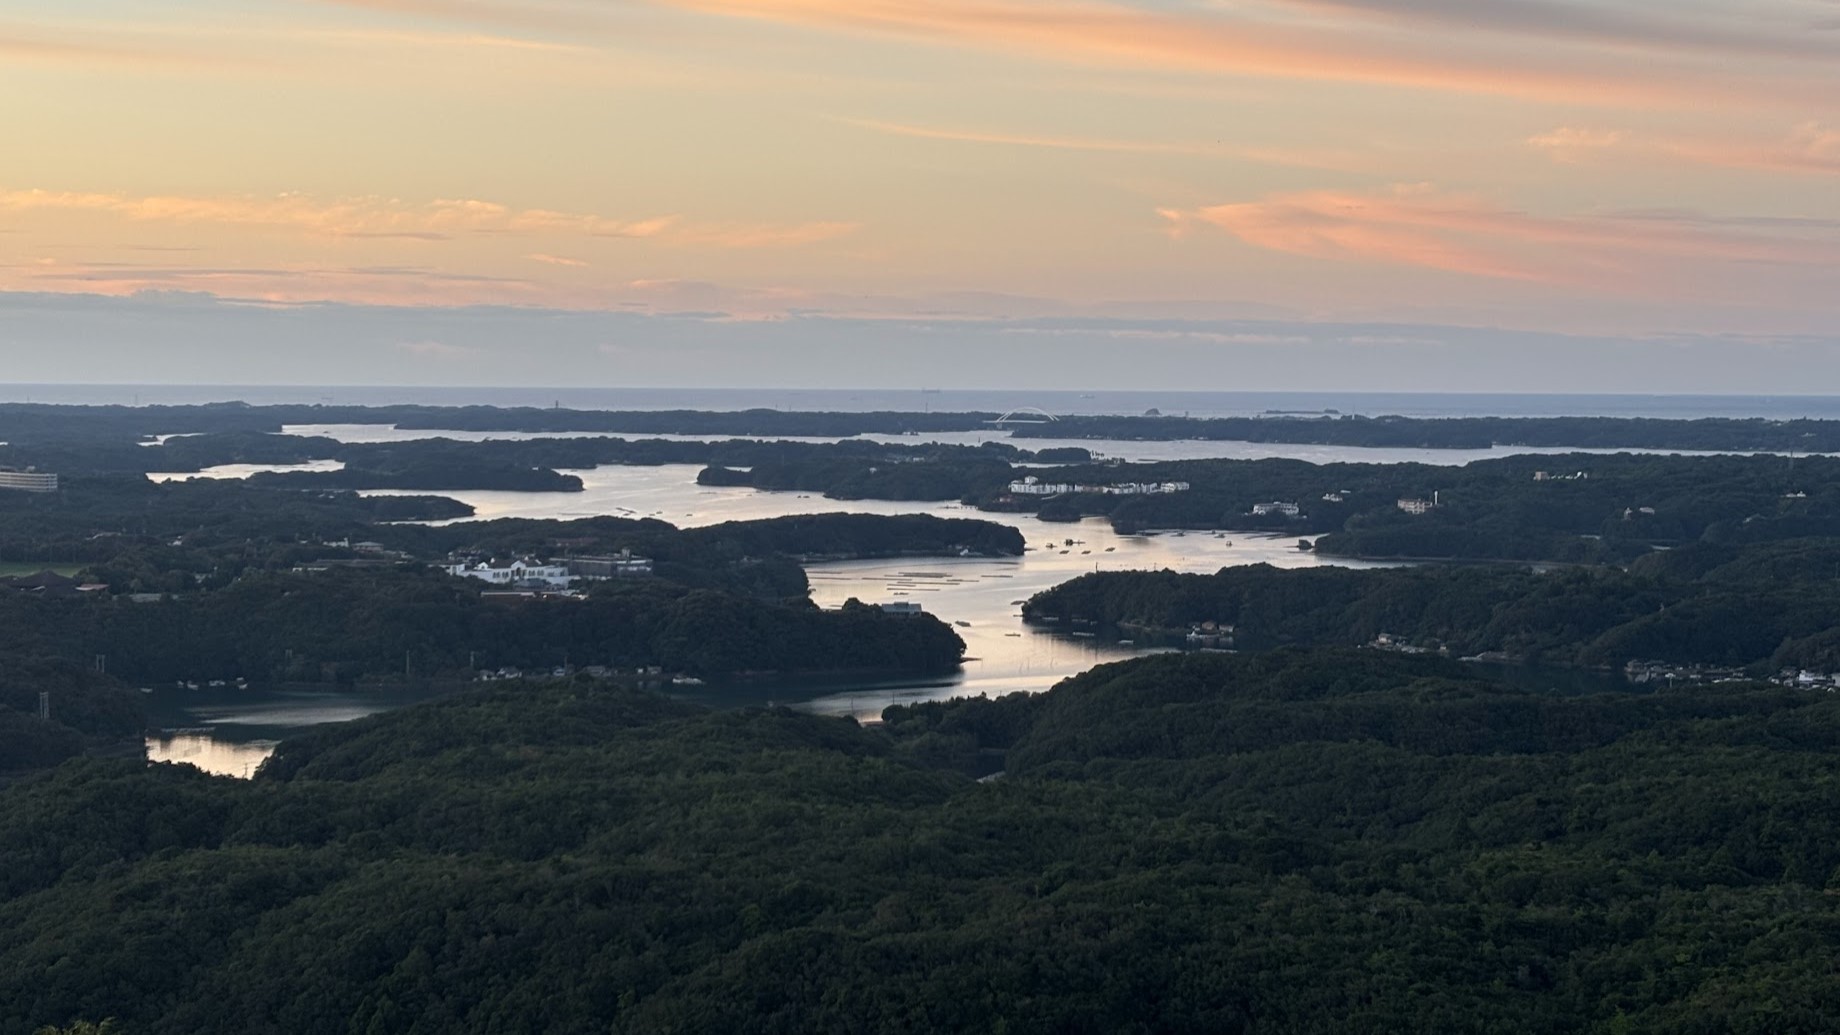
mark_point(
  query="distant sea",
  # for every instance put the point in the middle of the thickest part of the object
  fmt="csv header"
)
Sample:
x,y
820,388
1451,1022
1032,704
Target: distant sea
x,y
1171,403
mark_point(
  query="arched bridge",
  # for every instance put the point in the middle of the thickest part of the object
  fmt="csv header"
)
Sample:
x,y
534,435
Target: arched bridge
x,y
1026,415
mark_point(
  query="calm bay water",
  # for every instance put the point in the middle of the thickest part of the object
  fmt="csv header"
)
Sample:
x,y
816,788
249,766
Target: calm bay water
x,y
1129,450
978,595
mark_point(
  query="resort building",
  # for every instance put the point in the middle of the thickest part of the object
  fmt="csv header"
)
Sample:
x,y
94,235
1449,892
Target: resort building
x,y
622,566
28,480
520,573
1033,486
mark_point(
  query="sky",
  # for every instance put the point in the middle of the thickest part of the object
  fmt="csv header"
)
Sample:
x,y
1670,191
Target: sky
x,y
1507,195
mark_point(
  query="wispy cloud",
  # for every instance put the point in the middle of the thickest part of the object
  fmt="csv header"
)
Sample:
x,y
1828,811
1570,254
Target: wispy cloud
x,y
1567,143
439,350
1743,30
104,46
438,220
1057,143
1810,148
554,260
531,15
1246,39
1419,226
763,235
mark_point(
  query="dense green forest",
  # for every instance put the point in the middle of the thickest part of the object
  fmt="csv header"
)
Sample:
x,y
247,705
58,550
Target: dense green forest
x,y
350,625
1291,842
1766,607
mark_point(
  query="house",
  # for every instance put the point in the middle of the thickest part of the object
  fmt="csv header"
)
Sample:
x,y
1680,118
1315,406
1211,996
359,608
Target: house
x,y
1416,506
902,608
1276,507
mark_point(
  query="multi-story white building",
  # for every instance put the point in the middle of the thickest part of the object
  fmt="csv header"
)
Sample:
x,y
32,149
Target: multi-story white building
x,y
28,480
1276,507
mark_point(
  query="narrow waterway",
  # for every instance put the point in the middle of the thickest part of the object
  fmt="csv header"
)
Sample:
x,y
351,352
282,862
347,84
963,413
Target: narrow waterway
x,y
979,596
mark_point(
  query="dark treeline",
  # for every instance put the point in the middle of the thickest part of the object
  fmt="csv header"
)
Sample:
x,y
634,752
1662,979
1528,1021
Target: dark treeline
x,y
203,524
1594,508
34,422
46,422
1590,508
1623,507
533,465
1284,843
1766,608
88,711
1716,434
97,519
396,624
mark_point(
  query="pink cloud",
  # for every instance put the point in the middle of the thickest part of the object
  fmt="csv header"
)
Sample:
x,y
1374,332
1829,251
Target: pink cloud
x,y
1247,40
373,217
1418,226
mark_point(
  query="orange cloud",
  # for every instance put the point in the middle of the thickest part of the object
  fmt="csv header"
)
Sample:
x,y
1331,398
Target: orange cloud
x,y
763,235
1567,143
434,221
1214,43
1417,226
1809,149
971,136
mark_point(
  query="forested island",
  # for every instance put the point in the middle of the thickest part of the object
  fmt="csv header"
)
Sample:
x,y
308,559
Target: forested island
x,y
1293,842
200,581
1760,608
42,423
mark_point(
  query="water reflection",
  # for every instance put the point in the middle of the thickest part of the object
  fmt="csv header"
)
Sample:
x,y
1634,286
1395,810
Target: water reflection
x,y
980,596
231,471
1119,449
211,752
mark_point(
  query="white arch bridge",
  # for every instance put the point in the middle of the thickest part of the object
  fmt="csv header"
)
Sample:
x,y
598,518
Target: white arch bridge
x,y
1025,415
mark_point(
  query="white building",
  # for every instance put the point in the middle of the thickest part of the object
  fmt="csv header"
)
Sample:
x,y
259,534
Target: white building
x,y
520,573
621,566
1276,507
1033,486
28,480
1418,506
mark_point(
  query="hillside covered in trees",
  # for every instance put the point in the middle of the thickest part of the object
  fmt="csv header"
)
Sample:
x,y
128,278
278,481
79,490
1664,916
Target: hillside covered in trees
x,y
1765,607
1285,843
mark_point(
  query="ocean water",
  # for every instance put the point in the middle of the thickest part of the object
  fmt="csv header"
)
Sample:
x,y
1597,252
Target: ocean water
x,y
1097,401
